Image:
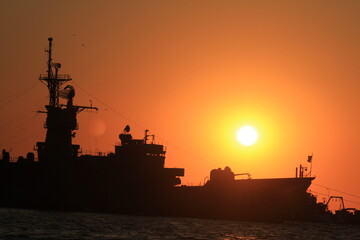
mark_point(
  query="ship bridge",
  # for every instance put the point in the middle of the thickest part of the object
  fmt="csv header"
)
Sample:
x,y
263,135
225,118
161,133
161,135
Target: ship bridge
x,y
139,153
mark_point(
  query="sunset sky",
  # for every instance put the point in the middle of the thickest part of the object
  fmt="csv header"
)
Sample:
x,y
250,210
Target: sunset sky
x,y
193,73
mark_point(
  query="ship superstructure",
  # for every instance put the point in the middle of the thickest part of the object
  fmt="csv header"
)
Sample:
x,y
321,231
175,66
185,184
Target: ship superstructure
x,y
132,179
61,119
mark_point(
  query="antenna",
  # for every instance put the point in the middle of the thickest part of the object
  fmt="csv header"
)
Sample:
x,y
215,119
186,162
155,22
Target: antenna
x,y
53,82
68,92
127,129
49,71
147,135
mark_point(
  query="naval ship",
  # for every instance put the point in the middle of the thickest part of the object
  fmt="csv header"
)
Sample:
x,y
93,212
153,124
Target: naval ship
x,y
133,179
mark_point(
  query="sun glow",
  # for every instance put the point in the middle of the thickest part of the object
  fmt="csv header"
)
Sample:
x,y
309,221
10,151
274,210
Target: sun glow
x,y
247,135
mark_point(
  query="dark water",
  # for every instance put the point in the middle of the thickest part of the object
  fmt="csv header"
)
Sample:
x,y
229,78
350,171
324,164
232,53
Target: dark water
x,y
32,224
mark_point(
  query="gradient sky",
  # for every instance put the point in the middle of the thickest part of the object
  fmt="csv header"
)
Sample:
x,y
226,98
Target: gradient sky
x,y
193,72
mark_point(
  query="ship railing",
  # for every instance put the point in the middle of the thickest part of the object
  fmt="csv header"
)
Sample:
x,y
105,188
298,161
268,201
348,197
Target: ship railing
x,y
94,153
248,175
61,77
15,159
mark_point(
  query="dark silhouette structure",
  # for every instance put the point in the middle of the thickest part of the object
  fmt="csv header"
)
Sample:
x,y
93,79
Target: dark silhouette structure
x,y
61,119
133,179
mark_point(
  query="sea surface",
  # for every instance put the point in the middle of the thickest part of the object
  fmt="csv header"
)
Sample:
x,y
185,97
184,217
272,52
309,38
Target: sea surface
x,y
33,224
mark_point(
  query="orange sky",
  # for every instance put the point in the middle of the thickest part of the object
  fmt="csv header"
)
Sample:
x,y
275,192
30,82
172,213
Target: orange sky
x,y
193,72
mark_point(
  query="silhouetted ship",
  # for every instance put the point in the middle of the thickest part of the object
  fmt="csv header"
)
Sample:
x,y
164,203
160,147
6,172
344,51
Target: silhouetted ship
x,y
133,179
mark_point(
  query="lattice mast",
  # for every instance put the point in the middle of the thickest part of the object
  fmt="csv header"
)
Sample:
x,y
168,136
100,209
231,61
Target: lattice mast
x,y
52,79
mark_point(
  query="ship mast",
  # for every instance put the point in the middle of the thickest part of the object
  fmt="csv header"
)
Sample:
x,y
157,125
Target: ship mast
x,y
53,80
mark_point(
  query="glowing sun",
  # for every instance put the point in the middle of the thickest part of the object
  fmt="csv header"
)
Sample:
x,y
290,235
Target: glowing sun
x,y
247,135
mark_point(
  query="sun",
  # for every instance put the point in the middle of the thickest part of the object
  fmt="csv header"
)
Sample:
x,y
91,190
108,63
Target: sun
x,y
247,135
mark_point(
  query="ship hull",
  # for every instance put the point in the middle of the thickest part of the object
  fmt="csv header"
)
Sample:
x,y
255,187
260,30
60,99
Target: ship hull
x,y
251,200
105,186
